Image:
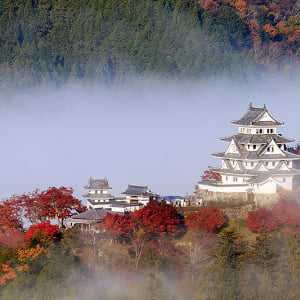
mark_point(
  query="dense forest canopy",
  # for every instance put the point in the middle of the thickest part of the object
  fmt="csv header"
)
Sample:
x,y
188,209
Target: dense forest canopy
x,y
109,40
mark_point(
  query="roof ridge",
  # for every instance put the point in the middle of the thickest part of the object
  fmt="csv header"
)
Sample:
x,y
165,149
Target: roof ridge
x,y
140,186
259,116
265,146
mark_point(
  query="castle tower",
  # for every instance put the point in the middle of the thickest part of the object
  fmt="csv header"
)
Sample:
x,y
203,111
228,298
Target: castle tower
x,y
256,159
98,193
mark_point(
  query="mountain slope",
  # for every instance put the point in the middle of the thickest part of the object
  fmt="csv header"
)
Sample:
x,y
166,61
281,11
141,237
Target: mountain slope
x,y
61,40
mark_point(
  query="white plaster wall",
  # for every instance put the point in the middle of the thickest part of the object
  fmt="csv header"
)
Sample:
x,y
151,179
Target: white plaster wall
x,y
248,165
269,187
288,184
123,209
223,188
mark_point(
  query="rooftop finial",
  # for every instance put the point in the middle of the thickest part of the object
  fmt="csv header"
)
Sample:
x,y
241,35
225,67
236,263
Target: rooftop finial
x,y
265,106
250,105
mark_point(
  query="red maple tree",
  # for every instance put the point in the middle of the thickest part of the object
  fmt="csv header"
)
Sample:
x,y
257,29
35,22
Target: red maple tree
x,y
288,212
210,175
155,220
32,207
10,217
209,219
158,218
11,224
54,203
262,219
118,226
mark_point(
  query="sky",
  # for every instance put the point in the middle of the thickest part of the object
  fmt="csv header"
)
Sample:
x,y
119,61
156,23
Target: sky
x,y
152,132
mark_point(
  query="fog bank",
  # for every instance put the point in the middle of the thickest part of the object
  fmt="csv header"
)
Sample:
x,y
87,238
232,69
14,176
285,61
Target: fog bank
x,y
153,132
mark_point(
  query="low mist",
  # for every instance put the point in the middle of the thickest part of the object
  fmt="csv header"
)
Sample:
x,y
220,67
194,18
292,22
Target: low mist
x,y
158,133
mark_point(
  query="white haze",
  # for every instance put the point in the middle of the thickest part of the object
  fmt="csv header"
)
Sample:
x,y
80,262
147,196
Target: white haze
x,y
156,133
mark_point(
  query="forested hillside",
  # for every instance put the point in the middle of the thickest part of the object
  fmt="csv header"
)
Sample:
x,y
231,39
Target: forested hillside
x,y
157,252
108,40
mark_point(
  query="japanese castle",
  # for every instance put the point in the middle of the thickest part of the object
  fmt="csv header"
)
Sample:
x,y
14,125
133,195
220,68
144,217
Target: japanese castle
x,y
256,159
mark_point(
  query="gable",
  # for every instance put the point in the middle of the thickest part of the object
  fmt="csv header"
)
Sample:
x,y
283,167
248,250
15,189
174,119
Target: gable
x,y
232,148
265,117
271,148
261,167
282,166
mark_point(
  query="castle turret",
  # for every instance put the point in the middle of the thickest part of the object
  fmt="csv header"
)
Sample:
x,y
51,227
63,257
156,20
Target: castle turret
x,y
98,193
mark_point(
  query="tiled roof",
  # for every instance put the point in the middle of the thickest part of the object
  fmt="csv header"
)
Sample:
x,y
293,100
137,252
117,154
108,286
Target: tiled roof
x,y
259,178
254,155
257,138
98,184
92,214
136,190
126,204
251,117
252,172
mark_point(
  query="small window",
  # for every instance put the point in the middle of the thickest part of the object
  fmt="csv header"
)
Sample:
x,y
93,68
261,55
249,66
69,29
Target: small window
x,y
267,163
273,163
254,147
252,164
260,131
226,178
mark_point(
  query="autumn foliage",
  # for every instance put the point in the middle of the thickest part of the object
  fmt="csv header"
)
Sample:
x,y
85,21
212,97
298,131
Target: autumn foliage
x,y
42,233
210,175
10,218
288,212
24,257
207,219
58,203
151,223
156,218
53,203
118,226
262,220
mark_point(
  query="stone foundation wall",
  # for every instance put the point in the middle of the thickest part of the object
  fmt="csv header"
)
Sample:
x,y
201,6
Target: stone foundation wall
x,y
235,199
241,212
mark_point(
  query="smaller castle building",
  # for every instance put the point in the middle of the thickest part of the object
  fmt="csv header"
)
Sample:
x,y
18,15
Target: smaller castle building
x,y
139,194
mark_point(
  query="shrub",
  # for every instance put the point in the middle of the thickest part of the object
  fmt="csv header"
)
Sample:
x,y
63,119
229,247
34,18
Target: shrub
x,y
42,233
